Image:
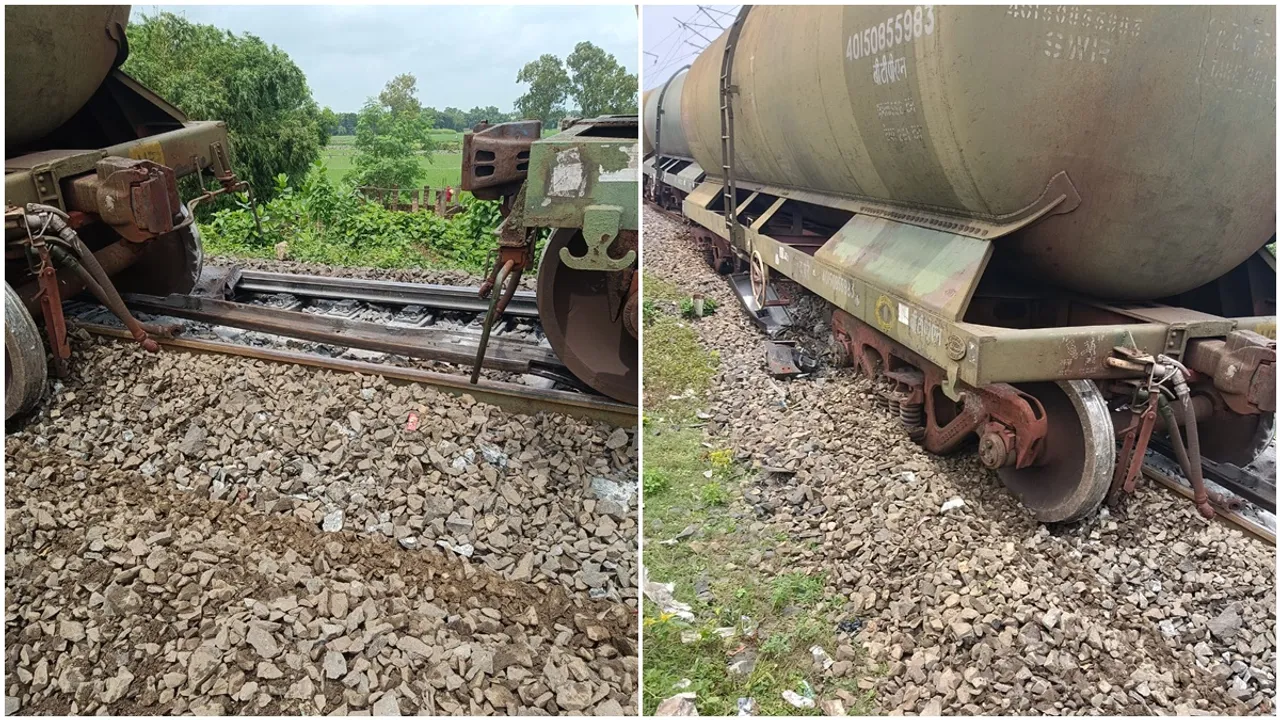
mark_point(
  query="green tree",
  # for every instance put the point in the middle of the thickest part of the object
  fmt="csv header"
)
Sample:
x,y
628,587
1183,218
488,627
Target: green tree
x,y
328,125
548,88
599,84
392,133
400,95
211,74
479,114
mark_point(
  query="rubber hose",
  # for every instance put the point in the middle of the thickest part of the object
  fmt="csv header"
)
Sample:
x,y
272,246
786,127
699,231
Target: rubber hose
x,y
1201,499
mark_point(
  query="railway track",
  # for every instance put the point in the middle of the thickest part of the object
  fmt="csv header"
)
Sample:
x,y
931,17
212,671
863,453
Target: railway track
x,y
364,326
1239,499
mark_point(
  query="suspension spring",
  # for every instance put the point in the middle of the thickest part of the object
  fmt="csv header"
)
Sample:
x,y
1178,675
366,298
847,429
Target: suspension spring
x,y
911,414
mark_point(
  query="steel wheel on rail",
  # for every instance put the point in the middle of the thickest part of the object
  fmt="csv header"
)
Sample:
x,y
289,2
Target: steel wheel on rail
x,y
25,367
1236,439
1073,474
170,263
577,309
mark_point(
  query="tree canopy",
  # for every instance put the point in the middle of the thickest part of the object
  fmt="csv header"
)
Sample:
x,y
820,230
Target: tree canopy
x,y
392,132
211,74
548,88
598,83
592,78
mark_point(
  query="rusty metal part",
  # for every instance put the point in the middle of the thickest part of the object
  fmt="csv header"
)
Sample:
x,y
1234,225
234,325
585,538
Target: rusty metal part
x,y
46,223
495,158
169,264
1227,437
585,333
1225,514
1074,469
928,125
500,281
111,299
784,359
622,282
137,198
996,443
51,308
1242,366
947,424
113,258
40,176
1052,444
1242,482
1137,436
631,311
25,369
425,343
509,396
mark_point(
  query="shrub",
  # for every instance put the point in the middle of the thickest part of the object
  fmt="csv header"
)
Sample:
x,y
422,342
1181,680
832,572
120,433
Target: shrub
x,y
323,222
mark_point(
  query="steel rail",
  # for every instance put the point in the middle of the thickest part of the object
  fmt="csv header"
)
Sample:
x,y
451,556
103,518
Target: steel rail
x,y
1226,515
383,292
508,396
1258,490
427,343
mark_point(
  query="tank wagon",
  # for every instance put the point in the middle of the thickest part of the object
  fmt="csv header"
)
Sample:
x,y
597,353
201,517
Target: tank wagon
x,y
92,165
582,184
1040,228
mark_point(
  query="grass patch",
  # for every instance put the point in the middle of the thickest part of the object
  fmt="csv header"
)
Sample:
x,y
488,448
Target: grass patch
x,y
439,170
786,614
795,588
676,365
657,288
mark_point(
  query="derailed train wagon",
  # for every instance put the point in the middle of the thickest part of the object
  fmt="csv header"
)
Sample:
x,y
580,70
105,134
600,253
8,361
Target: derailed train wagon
x,y
92,165
582,184
1042,228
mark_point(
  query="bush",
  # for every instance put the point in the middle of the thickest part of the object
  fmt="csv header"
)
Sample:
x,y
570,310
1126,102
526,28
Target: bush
x,y
323,222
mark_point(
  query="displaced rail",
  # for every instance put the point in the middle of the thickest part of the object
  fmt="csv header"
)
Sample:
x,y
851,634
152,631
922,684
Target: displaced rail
x,y
383,292
509,396
1228,513
426,343
346,316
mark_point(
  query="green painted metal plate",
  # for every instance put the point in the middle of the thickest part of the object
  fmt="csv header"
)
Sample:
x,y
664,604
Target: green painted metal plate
x,y
595,162
933,269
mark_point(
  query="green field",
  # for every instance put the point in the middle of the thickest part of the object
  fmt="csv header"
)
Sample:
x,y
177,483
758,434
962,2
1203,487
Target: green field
x,y
442,169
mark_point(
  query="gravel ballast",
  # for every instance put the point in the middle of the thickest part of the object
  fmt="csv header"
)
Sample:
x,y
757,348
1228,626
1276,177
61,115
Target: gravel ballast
x,y
978,608
209,534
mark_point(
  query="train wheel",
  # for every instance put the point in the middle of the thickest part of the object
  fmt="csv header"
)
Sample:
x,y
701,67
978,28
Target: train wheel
x,y
171,264
578,317
1073,474
25,367
1236,439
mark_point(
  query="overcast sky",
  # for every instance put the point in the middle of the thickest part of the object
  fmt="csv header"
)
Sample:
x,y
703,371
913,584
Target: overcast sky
x,y
462,56
669,46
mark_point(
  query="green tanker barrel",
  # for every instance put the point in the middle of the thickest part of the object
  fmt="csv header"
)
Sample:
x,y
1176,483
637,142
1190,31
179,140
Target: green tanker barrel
x,y
673,140
1163,119
55,58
